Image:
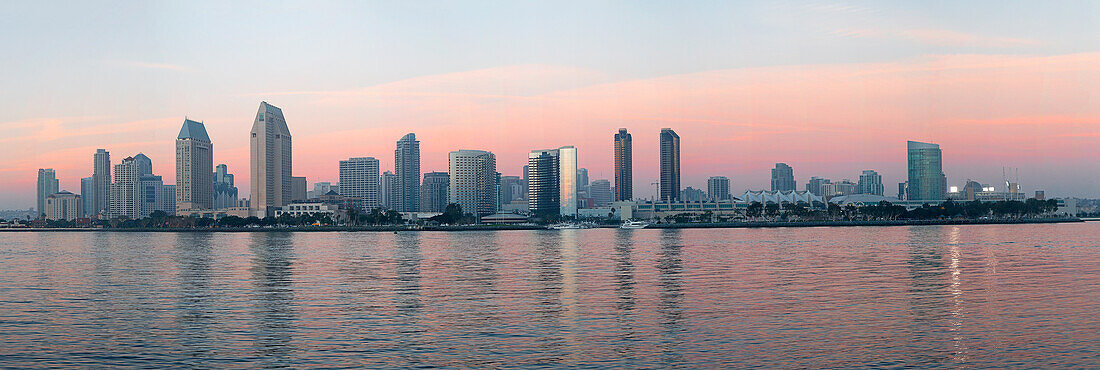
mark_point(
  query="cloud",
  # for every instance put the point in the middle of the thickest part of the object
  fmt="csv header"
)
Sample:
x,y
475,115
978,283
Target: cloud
x,y
961,39
147,65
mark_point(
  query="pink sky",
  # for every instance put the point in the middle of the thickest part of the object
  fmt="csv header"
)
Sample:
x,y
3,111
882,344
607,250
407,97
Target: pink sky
x,y
1038,113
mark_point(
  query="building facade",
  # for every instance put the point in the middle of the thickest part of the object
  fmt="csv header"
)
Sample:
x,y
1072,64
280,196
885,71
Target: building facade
x,y
390,197
101,182
297,188
47,185
63,206
407,168
433,191
225,190
126,190
870,182
601,193
473,181
194,167
271,161
86,192
783,178
670,165
718,187
359,179
624,169
926,179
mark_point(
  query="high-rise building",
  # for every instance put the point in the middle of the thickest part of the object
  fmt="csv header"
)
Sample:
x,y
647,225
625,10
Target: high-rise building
x,y
86,193
843,187
552,186
359,179
510,189
523,185
390,196
670,165
473,181
194,167
151,195
624,170
407,168
718,187
814,186
63,206
433,192
298,188
783,178
271,157
126,190
225,191
47,185
690,194
144,164
903,188
101,182
582,180
926,179
600,191
870,182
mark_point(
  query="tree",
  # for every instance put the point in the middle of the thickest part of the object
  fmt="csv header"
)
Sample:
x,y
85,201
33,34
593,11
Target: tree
x,y
771,209
754,210
451,215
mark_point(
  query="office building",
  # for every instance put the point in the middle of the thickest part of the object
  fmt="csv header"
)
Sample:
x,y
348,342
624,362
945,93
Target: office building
x,y
152,196
523,194
473,181
718,187
510,189
552,182
321,188
902,190
407,168
63,206
101,182
870,182
297,188
624,170
600,192
194,167
359,179
926,179
271,161
814,186
783,178
670,165
126,190
433,192
225,189
582,181
690,194
86,192
144,164
390,196
47,185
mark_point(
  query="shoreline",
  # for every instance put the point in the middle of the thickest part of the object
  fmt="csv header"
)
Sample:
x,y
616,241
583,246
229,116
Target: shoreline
x,y
718,225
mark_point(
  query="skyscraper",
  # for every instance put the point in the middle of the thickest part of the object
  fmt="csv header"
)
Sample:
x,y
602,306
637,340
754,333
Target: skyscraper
x,y
225,191
86,186
552,181
783,178
816,185
407,168
126,190
582,180
473,181
510,189
390,197
194,167
271,157
63,206
433,192
359,179
144,164
47,185
870,182
670,165
718,187
624,170
926,179
101,182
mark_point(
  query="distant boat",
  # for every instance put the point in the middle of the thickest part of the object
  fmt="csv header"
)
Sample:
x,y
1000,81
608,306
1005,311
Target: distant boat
x,y
567,226
634,225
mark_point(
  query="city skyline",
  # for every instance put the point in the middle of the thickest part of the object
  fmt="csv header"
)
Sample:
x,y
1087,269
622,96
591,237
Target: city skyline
x,y
843,85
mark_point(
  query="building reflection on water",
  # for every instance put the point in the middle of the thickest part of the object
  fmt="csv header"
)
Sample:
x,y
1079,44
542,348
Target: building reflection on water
x,y
625,285
670,266
407,298
273,296
936,295
196,304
